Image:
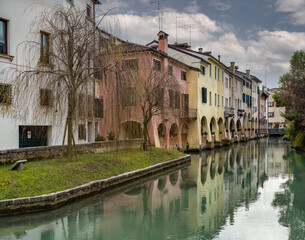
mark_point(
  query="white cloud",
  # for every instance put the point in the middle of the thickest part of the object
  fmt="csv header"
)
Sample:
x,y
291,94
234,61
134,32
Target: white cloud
x,y
111,4
270,48
295,7
220,5
192,7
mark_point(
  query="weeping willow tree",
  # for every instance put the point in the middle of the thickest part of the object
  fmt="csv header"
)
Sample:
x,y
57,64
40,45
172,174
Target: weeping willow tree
x,y
54,79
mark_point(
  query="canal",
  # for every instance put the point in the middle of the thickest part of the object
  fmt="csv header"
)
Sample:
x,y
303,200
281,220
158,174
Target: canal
x,y
252,190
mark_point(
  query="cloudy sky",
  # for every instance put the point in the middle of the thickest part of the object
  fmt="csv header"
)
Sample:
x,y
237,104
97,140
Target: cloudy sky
x,y
260,35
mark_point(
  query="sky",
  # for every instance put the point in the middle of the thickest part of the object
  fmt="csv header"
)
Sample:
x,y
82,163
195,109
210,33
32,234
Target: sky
x,y
260,35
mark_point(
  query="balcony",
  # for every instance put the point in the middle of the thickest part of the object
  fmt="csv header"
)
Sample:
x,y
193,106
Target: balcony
x,y
189,113
229,112
240,112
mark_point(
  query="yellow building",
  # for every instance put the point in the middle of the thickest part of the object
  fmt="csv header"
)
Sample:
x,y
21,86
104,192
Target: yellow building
x,y
206,93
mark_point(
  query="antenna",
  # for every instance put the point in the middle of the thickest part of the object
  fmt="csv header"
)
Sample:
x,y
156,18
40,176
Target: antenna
x,y
190,26
158,3
176,28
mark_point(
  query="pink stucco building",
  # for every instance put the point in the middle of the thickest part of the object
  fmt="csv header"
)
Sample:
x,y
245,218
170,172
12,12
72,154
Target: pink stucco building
x,y
134,73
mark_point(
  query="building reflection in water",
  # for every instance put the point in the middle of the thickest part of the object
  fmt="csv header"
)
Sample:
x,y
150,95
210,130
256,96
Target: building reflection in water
x,y
193,201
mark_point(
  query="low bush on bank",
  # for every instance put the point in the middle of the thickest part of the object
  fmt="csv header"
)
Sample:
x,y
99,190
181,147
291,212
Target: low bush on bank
x,y
46,176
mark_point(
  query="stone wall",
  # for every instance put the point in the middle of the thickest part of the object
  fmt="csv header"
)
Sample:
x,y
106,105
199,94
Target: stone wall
x,y
11,156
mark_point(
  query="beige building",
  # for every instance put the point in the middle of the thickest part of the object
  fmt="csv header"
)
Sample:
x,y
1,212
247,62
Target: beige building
x,y
275,120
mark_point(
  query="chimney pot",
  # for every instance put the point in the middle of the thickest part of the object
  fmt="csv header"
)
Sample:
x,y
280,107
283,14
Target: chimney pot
x,y
248,73
163,42
219,58
232,67
200,50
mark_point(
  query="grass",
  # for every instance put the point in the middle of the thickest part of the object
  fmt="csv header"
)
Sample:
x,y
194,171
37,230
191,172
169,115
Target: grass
x,y
46,176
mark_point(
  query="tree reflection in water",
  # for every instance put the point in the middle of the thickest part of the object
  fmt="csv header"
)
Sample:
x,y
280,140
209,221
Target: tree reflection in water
x,y
291,200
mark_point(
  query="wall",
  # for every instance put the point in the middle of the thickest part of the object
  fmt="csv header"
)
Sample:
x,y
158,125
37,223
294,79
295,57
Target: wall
x,y
10,156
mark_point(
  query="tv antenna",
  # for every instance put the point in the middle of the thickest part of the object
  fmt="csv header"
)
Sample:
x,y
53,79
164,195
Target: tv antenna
x,y
177,28
190,26
158,3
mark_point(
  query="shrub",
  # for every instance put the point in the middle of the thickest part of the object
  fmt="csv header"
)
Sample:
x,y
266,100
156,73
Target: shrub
x,y
111,136
99,138
299,142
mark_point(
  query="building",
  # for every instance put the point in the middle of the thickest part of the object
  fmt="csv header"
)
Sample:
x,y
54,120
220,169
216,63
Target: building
x,y
135,80
263,123
275,119
44,126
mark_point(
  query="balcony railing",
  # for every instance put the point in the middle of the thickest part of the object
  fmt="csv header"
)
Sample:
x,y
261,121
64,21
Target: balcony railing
x,y
229,112
190,113
240,112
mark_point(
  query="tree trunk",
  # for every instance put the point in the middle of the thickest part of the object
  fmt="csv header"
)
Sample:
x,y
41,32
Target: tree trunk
x,y
70,128
145,135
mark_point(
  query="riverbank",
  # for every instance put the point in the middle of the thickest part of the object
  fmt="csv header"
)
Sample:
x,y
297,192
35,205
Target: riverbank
x,y
47,176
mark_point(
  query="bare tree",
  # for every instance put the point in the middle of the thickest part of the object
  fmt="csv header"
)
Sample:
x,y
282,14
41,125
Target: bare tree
x,y
58,67
150,87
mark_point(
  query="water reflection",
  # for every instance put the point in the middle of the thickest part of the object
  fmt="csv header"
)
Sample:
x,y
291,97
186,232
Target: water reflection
x,y
207,200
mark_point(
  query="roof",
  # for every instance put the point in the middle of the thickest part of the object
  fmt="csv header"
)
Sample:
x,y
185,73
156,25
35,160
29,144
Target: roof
x,y
192,55
128,47
235,75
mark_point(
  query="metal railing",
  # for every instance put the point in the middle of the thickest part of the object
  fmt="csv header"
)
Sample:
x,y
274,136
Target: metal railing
x,y
190,113
229,112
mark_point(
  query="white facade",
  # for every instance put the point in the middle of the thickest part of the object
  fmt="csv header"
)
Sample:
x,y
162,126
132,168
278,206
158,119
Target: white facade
x,y
18,16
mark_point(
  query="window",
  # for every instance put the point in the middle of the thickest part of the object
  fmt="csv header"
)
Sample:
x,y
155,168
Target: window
x,y
226,100
230,102
81,105
247,84
210,98
270,104
5,94
215,73
218,100
183,75
81,132
129,97
222,76
230,83
99,108
270,114
244,97
215,99
170,70
130,64
202,69
211,70
45,97
44,47
227,83
244,82
177,100
89,15
157,65
218,74
204,95
171,99
3,36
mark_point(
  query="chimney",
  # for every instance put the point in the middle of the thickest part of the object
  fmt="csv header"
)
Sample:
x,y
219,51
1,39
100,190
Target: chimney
x,y
219,58
163,42
248,73
200,49
232,68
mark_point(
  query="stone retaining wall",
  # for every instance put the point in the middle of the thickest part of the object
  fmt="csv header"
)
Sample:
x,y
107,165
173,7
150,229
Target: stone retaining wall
x,y
52,200
11,156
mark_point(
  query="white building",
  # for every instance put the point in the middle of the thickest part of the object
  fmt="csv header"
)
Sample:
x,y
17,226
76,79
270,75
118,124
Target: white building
x,y
16,17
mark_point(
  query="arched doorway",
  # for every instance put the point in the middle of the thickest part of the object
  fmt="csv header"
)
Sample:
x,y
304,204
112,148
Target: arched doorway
x,y
173,135
162,135
130,130
256,126
221,128
213,128
252,127
232,129
204,130
239,129
245,124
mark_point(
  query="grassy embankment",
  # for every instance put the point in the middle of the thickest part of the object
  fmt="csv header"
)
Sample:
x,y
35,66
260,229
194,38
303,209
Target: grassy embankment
x,y
46,176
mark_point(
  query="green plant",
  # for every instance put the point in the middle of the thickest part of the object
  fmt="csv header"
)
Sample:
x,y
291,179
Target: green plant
x,y
299,142
99,138
111,136
205,133
220,132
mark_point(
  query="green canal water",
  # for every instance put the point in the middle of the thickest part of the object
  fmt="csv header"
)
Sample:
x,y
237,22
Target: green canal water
x,y
254,190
